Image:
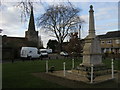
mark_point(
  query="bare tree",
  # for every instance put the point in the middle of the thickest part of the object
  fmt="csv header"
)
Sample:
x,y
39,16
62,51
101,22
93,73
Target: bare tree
x,y
1,30
0,2
74,45
25,7
60,19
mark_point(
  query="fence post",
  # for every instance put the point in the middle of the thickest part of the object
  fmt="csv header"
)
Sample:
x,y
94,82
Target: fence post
x,y
46,66
64,68
91,73
112,65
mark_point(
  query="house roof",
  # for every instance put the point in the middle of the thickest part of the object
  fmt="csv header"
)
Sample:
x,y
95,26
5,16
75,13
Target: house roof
x,y
113,34
13,41
13,38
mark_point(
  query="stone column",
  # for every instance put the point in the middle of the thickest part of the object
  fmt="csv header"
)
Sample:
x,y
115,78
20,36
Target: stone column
x,y
91,50
91,22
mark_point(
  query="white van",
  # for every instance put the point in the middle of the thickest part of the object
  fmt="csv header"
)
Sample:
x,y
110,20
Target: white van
x,y
29,52
49,50
44,52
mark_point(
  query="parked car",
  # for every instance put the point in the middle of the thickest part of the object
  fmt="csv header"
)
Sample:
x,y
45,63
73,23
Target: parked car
x,y
63,53
43,52
29,52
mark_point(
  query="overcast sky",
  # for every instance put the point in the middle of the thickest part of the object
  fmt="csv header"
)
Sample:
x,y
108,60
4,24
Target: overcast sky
x,y
106,18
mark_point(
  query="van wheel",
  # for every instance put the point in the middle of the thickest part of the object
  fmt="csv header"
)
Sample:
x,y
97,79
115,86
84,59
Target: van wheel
x,y
40,57
29,57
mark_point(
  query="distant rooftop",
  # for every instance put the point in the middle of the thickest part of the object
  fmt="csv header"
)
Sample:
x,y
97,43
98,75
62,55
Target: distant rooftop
x,y
113,34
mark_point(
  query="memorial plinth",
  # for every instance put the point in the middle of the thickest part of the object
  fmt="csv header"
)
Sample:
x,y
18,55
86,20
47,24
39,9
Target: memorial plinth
x,y
92,56
91,50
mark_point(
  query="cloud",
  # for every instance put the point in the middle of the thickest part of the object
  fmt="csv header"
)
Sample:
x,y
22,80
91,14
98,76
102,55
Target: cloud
x,y
104,28
62,0
109,24
85,18
45,36
107,13
105,19
10,20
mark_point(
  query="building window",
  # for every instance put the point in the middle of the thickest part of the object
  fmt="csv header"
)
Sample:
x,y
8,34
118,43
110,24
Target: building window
x,y
117,41
109,42
102,42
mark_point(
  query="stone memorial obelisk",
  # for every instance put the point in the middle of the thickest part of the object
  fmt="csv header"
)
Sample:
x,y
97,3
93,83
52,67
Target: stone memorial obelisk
x,y
91,50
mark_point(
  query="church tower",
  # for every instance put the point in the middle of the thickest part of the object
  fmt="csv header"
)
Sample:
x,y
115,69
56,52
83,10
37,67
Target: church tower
x,y
32,35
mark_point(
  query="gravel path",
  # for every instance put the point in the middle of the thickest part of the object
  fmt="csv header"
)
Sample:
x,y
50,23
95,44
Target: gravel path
x,y
59,80
70,83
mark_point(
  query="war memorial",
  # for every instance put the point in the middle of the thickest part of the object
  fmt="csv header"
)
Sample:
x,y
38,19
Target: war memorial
x,y
91,70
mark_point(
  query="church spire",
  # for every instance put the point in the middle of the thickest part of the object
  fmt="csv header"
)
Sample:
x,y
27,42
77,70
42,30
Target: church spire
x,y
31,26
32,35
91,23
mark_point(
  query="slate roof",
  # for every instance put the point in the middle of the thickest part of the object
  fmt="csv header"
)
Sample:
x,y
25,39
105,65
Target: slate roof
x,y
13,41
113,34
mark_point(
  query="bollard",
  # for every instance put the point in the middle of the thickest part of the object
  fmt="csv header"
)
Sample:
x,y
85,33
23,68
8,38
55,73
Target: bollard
x,y
47,66
112,66
64,68
12,60
91,73
73,63
49,58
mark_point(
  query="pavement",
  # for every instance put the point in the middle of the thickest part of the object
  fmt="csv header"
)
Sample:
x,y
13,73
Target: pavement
x,y
77,77
77,81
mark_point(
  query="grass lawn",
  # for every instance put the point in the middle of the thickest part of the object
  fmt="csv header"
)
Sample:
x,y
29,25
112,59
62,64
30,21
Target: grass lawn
x,y
18,74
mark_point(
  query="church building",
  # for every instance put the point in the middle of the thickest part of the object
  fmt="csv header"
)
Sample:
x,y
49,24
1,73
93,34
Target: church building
x,y
11,46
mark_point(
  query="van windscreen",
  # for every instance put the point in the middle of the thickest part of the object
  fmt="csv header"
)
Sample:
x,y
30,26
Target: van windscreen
x,y
43,51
